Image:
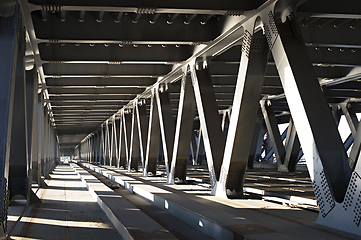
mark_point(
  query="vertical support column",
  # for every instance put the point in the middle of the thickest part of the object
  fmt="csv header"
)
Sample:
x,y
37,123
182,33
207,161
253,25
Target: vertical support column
x,y
336,112
121,143
292,147
257,140
134,142
193,146
19,163
274,133
321,143
113,145
8,49
152,138
356,148
209,118
98,147
351,117
166,125
142,120
127,127
32,123
102,144
200,148
248,91
40,138
107,144
117,142
226,115
184,130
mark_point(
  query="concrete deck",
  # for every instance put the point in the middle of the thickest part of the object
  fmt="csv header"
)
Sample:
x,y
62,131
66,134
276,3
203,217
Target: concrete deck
x,y
68,211
224,218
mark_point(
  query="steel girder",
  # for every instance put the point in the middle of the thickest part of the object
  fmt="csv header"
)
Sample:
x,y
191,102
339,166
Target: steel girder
x,y
325,155
8,60
153,138
183,131
19,162
244,112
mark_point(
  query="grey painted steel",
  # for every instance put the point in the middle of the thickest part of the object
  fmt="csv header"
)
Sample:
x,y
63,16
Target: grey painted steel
x,y
133,159
167,128
314,123
225,121
32,122
122,143
153,138
271,151
117,131
127,128
107,144
40,136
356,148
348,142
183,132
248,91
351,117
257,140
336,112
193,146
19,163
200,148
274,133
209,118
101,145
292,147
8,57
113,158
142,120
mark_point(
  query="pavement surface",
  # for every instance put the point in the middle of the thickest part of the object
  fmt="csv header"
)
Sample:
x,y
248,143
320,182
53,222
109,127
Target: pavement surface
x,y
68,211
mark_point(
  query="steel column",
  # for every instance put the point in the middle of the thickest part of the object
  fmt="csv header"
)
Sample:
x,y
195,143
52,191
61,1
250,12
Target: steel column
x,y
113,150
107,144
166,125
314,123
257,140
193,146
8,58
134,143
40,136
336,112
209,117
102,145
127,127
292,147
183,132
32,123
142,120
153,138
274,133
226,115
200,148
19,163
351,117
248,91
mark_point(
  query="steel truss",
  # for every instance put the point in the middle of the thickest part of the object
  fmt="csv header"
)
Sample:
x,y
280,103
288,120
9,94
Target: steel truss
x,y
336,178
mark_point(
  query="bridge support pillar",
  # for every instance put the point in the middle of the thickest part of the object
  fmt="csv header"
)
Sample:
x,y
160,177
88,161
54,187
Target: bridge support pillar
x,y
153,138
184,130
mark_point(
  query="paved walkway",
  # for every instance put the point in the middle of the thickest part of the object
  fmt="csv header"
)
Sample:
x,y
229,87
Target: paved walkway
x,y
68,212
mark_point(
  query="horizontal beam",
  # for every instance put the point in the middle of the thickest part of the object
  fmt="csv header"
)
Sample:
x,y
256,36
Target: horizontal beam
x,y
183,7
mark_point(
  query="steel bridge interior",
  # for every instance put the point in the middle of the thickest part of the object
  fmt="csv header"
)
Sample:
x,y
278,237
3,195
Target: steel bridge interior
x,y
143,85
